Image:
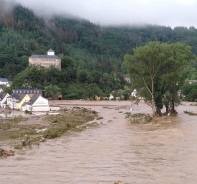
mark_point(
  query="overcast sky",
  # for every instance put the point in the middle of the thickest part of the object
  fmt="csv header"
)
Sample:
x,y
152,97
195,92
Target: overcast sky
x,y
116,12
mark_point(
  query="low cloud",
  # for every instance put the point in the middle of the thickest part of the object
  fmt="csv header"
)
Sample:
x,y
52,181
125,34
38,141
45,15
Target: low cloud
x,y
118,12
6,7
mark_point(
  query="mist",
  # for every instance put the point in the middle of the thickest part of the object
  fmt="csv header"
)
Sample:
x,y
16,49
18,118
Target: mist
x,y
121,12
6,7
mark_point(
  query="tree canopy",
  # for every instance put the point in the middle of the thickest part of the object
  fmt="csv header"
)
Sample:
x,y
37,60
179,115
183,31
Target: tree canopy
x,y
156,69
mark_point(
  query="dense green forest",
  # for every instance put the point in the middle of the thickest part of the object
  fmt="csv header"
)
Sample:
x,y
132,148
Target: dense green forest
x,y
92,55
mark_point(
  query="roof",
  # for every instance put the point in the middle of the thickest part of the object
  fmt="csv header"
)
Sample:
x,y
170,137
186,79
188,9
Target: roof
x,y
44,57
50,50
27,91
2,95
3,80
32,100
19,97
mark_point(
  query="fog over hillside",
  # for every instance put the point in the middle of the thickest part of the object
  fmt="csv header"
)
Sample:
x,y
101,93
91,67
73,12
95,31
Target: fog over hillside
x,y
117,12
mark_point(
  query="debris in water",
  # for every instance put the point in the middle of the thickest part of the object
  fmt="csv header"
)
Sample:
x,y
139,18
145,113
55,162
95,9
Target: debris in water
x,y
4,152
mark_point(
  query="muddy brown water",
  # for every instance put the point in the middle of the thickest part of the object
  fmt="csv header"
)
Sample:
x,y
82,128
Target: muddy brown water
x,y
116,150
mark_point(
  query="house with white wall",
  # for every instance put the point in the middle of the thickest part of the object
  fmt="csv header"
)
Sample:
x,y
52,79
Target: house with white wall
x,y
3,99
37,103
4,81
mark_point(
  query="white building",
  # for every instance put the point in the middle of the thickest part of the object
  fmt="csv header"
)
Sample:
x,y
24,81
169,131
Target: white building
x,y
4,81
37,103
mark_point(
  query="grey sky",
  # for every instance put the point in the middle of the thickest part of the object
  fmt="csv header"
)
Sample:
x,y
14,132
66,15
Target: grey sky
x,y
115,12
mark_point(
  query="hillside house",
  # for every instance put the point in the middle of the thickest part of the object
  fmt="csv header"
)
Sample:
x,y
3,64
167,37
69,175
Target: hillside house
x,y
4,81
127,78
192,81
46,60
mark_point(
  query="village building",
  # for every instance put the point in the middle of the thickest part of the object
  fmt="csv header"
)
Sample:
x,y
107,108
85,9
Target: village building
x,y
25,100
19,99
46,60
127,78
3,99
20,96
192,81
37,103
4,81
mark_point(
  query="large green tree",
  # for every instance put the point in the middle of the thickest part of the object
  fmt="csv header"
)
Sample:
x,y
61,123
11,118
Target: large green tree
x,y
156,68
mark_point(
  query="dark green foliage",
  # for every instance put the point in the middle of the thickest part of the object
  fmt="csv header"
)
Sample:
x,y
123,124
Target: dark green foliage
x,y
52,91
90,53
72,83
157,70
190,91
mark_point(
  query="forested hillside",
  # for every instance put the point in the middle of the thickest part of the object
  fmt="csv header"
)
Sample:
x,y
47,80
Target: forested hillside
x,y
87,50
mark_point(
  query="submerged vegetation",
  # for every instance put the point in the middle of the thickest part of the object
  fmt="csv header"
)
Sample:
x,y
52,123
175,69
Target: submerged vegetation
x,y
72,120
139,118
28,134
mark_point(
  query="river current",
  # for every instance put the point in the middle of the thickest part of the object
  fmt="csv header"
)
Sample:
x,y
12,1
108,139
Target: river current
x,y
116,150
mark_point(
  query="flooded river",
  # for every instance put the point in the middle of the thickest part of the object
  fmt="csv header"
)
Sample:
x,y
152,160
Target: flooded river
x,y
116,150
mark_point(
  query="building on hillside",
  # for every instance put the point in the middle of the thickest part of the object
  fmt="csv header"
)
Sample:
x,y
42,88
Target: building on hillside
x,y
127,78
46,60
192,81
4,81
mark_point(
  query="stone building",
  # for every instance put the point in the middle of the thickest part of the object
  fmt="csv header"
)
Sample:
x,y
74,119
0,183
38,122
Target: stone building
x,y
46,60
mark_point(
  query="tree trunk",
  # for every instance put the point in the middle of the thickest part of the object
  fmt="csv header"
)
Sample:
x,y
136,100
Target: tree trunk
x,y
153,105
153,97
158,111
167,108
173,111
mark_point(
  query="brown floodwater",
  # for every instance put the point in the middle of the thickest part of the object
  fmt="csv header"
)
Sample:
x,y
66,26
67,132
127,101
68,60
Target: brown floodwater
x,y
116,150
